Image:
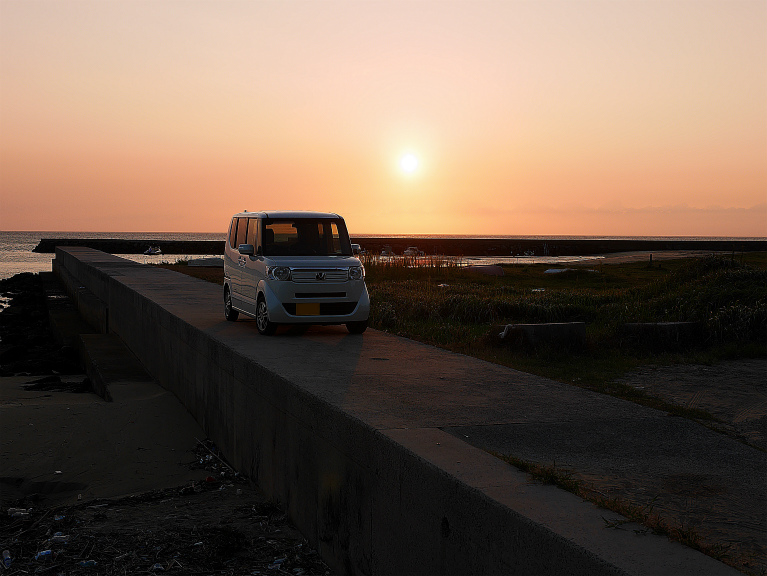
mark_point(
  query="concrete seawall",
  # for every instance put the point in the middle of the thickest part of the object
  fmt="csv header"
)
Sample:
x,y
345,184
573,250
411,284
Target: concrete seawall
x,y
318,421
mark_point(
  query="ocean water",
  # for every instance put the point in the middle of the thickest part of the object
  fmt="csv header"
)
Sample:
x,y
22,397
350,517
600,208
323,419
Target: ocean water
x,y
16,254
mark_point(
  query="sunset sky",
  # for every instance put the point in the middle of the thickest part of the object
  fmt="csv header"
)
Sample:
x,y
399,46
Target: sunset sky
x,y
537,117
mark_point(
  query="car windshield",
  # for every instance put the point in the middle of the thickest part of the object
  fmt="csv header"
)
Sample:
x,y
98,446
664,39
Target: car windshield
x,y
305,237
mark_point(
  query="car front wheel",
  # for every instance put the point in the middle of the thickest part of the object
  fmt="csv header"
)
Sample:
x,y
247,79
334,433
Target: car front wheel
x,y
263,324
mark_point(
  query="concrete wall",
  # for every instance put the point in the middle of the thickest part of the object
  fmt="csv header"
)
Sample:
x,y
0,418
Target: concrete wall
x,y
372,501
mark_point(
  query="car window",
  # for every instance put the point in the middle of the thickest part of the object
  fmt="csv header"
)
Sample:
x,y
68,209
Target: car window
x,y
305,237
242,229
252,237
233,233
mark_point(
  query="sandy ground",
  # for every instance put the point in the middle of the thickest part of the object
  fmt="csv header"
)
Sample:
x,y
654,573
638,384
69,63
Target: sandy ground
x,y
134,487
62,445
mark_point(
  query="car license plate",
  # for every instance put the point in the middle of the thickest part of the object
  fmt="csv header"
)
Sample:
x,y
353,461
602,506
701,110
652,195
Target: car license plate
x,y
308,309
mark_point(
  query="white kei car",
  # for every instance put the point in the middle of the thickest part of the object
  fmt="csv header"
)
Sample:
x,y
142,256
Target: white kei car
x,y
293,268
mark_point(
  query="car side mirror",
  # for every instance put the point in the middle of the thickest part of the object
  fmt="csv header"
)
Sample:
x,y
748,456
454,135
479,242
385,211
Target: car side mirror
x,y
246,249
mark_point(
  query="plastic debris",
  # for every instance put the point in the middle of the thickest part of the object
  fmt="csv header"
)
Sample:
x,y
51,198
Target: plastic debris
x,y
44,555
59,517
58,538
157,567
19,512
87,563
7,558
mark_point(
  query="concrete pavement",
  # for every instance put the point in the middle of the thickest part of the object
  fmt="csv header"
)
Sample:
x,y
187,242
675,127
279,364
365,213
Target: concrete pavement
x,y
372,442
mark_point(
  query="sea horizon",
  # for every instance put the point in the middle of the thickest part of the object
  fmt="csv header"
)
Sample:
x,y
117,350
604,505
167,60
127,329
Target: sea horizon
x,y
221,235
16,255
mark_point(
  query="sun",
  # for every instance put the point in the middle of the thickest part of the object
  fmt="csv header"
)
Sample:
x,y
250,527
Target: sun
x,y
408,163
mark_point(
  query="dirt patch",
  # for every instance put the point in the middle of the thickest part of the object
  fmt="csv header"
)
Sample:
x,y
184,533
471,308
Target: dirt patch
x,y
733,392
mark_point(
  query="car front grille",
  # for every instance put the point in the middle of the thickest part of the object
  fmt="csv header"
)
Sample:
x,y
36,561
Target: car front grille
x,y
313,275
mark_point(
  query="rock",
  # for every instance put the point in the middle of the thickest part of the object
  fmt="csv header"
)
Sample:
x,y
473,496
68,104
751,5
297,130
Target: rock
x,y
488,270
562,333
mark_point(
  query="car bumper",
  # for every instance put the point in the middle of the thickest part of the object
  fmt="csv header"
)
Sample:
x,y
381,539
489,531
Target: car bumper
x,y
301,304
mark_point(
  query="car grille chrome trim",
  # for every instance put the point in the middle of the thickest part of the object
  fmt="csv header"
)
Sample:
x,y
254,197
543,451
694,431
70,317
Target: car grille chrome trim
x,y
314,275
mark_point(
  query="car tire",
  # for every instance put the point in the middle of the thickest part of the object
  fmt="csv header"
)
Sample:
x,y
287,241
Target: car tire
x,y
229,313
263,324
357,327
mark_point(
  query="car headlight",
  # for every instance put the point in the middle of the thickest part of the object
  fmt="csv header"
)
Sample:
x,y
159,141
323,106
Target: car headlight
x,y
356,273
278,272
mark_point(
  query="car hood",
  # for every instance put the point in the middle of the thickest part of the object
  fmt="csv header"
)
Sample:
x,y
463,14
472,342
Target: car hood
x,y
312,261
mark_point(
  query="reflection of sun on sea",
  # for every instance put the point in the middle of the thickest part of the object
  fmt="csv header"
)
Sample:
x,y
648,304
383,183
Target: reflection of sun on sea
x,y
408,163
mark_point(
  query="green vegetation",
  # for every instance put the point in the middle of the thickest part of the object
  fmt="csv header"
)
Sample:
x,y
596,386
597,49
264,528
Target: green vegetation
x,y
463,311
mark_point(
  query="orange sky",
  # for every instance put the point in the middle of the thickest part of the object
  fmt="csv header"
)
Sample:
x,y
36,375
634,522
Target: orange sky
x,y
613,117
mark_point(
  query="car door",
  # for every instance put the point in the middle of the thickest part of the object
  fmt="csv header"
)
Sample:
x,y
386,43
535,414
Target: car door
x,y
251,267
231,257
239,261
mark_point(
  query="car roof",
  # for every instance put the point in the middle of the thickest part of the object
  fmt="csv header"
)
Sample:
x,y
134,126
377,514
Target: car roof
x,y
277,214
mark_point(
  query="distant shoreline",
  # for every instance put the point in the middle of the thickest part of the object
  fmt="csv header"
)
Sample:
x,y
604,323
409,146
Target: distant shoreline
x,y
448,246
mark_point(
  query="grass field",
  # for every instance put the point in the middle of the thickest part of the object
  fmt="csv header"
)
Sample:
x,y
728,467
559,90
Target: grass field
x,y
462,311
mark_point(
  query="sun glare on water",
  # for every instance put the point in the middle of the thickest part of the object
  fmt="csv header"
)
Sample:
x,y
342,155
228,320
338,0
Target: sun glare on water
x,y
408,163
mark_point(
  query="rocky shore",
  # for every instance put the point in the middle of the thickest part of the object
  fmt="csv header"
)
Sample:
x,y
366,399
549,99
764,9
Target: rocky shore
x,y
27,345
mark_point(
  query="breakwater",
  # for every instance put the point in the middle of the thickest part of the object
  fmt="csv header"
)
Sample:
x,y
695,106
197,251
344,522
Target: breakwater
x,y
444,246
133,246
